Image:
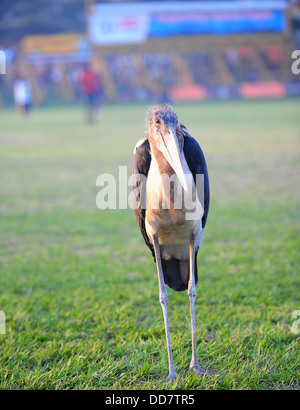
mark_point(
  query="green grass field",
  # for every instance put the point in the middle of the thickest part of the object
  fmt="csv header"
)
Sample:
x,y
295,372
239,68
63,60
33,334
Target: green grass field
x,y
79,287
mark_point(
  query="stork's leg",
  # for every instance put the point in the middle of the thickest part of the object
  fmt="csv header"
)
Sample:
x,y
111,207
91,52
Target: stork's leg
x,y
194,366
163,298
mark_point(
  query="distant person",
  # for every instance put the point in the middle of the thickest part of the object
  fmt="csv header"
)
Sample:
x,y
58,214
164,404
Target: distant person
x,y
22,96
91,87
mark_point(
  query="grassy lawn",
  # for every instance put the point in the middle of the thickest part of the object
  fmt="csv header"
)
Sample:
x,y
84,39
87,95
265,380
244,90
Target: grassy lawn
x,y
79,287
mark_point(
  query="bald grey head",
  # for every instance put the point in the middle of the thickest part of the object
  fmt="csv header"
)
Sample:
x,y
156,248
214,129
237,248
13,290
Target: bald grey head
x,y
164,135
162,115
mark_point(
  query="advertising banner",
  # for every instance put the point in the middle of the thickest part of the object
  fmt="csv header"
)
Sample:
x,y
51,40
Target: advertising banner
x,y
263,90
47,48
118,28
121,23
224,22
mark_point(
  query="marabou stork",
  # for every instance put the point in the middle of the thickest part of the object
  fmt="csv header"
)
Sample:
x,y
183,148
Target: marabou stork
x,y
171,233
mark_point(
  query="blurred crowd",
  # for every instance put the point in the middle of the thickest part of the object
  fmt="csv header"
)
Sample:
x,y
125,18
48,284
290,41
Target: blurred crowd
x,y
49,82
149,77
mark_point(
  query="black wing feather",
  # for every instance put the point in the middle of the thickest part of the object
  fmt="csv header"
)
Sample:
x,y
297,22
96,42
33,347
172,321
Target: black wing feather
x,y
196,161
141,165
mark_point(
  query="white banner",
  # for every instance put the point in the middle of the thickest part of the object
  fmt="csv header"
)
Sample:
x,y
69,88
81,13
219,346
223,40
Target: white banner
x,y
115,28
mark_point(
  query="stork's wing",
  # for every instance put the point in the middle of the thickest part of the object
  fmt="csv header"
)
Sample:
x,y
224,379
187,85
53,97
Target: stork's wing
x,y
141,165
196,162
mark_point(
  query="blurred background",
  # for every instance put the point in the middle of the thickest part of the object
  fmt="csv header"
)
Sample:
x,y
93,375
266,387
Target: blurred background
x,y
150,51
78,286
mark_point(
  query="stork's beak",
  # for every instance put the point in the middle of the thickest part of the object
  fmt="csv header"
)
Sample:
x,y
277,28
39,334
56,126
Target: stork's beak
x,y
171,152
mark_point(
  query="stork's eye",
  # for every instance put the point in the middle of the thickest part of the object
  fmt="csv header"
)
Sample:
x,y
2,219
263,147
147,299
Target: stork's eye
x,y
157,120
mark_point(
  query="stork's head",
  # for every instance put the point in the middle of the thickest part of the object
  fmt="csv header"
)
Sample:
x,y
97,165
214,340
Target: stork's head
x,y
163,134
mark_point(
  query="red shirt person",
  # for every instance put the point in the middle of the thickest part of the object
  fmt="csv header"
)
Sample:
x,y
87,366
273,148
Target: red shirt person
x,y
91,87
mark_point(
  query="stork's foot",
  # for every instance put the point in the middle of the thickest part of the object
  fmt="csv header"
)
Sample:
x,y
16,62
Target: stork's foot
x,y
198,370
171,377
